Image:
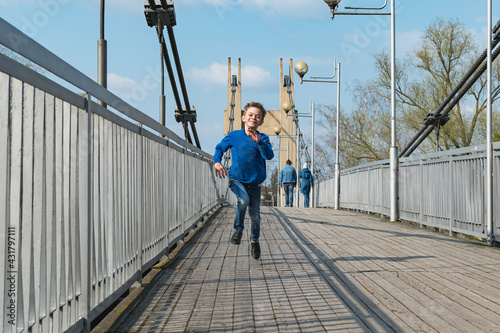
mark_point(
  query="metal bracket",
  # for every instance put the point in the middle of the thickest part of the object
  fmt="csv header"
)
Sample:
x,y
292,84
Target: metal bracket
x,y
185,116
164,9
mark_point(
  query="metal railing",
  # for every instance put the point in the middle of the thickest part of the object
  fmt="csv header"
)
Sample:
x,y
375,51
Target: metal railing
x,y
89,200
444,190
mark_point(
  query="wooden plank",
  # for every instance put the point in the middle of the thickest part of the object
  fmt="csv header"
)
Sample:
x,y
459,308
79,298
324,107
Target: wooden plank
x,y
26,240
73,231
222,315
4,183
38,267
65,230
15,192
47,253
83,240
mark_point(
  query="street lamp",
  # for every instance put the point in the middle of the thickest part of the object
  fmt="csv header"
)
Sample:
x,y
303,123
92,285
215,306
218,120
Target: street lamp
x,y
333,5
301,69
393,150
277,131
287,107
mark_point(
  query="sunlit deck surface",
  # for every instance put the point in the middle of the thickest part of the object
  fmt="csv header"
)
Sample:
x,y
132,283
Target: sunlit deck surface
x,y
321,270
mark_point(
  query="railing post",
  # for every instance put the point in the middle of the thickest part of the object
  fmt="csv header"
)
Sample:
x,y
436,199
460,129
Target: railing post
x,y
452,196
141,205
88,237
421,194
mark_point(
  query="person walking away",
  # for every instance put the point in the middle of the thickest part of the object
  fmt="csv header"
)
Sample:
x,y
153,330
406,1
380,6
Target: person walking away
x,y
307,182
249,151
288,180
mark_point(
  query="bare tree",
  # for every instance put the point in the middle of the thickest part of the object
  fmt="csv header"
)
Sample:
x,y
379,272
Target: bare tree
x,y
424,79
428,76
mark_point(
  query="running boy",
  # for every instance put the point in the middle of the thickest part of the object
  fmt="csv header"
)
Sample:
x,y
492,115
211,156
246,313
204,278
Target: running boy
x,y
249,152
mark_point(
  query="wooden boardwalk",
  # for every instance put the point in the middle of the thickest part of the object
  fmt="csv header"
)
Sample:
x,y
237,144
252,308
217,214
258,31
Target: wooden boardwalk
x,y
321,270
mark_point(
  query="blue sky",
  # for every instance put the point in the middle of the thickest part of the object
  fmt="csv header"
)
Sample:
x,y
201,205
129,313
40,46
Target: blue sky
x,y
260,32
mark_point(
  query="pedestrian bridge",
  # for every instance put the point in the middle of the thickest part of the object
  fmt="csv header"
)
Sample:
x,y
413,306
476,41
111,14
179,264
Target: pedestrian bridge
x,y
321,270
93,199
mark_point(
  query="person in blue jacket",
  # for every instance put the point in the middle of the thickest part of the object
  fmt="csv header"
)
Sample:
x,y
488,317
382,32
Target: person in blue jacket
x,y
307,181
288,180
249,151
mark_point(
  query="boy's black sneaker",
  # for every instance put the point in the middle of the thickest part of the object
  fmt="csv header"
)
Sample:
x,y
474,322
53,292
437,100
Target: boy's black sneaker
x,y
256,250
236,239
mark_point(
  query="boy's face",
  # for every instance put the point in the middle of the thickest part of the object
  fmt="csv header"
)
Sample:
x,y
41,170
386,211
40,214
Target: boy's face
x,y
252,118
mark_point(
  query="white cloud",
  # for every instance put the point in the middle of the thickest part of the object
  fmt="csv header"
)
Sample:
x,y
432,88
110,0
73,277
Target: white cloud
x,y
291,8
254,76
120,84
406,42
251,76
127,89
128,5
209,2
480,37
288,8
215,73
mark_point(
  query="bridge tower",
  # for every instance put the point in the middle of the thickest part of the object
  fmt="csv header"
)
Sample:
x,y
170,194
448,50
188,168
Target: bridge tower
x,y
274,118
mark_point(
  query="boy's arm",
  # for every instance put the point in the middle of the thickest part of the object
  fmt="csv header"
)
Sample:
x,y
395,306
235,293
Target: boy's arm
x,y
220,149
266,150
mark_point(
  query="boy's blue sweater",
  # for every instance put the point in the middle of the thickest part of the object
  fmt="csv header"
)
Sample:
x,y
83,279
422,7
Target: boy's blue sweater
x,y
247,156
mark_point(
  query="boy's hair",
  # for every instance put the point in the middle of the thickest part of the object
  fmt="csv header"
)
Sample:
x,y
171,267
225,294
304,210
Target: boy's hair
x,y
288,162
255,105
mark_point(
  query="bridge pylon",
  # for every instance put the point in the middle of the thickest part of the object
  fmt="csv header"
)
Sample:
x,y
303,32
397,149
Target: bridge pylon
x,y
274,118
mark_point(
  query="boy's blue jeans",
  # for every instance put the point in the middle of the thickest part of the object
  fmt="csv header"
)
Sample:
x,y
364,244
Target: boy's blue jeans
x,y
288,187
248,196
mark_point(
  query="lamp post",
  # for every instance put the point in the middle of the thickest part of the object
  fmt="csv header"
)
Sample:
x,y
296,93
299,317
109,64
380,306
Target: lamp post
x,y
393,150
287,107
102,55
301,69
489,139
277,131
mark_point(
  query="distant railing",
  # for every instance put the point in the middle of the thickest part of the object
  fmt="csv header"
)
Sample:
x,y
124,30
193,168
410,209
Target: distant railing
x,y
89,200
444,190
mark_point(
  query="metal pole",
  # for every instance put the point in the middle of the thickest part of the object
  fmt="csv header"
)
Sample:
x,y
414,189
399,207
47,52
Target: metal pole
x,y
298,163
102,55
88,276
162,55
337,170
489,142
394,162
279,171
312,154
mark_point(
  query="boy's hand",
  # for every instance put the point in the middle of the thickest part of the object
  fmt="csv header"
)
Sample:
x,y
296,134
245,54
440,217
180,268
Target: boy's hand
x,y
253,135
220,171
